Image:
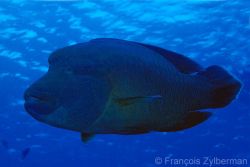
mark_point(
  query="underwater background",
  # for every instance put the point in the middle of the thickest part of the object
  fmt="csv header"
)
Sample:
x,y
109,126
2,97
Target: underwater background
x,y
209,32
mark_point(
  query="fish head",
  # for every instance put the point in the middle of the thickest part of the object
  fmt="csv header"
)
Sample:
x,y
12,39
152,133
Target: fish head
x,y
71,95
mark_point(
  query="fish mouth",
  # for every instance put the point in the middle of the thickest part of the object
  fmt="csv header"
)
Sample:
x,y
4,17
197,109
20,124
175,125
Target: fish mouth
x,y
37,105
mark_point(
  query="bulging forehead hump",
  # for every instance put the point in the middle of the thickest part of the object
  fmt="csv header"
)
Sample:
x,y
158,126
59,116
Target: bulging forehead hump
x,y
84,57
82,53
98,53
67,53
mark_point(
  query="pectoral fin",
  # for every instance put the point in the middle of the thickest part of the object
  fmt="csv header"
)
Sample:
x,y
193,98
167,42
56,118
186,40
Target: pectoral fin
x,y
85,137
138,99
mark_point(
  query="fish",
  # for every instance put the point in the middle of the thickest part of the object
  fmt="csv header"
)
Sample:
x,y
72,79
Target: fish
x,y
115,86
5,144
25,153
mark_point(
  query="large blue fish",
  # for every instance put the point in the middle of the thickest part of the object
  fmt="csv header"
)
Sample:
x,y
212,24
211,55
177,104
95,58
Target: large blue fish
x,y
112,86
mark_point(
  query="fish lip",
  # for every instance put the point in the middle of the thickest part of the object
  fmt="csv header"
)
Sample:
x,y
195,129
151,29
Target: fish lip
x,y
27,106
29,102
36,106
33,99
33,113
36,96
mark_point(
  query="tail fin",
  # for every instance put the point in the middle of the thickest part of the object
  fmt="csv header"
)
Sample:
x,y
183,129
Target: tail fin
x,y
225,86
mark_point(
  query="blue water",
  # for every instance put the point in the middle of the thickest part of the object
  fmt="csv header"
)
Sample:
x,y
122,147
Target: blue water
x,y
210,32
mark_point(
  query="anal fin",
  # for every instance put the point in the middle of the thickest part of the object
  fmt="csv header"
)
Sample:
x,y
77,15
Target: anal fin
x,y
192,119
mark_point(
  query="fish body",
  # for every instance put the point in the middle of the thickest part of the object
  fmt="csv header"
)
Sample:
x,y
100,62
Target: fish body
x,y
123,87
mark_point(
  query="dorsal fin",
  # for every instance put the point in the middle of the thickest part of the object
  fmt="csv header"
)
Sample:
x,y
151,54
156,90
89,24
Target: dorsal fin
x,y
182,63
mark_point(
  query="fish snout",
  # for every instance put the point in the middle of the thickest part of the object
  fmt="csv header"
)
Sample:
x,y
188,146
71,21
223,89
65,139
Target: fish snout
x,y
38,103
